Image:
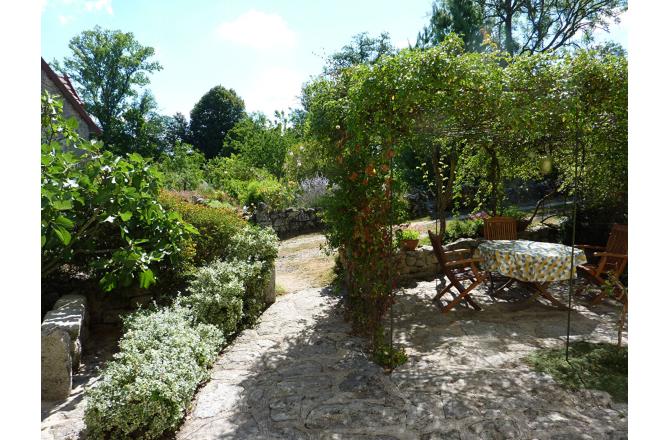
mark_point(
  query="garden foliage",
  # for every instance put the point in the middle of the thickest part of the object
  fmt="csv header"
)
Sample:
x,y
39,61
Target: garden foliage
x,y
216,226
146,389
100,212
483,118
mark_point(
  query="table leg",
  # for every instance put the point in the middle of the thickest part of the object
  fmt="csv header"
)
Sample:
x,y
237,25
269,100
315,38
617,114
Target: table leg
x,y
541,290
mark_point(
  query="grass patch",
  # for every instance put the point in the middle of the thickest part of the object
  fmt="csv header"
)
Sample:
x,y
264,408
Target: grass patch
x,y
280,290
593,366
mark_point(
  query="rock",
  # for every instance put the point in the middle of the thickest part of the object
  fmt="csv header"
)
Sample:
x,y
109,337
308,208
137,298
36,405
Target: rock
x,y
463,243
56,363
70,314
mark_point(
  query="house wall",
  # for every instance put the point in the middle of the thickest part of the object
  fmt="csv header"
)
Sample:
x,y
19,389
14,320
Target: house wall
x,y
68,109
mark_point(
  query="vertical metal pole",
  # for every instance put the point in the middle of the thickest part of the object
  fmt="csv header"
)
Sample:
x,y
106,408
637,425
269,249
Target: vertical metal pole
x,y
390,262
576,185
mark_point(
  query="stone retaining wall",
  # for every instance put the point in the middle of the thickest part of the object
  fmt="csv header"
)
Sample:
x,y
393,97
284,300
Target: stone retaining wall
x,y
64,331
289,222
421,263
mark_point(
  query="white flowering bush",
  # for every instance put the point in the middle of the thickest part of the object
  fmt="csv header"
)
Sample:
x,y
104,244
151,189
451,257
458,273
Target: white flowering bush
x,y
146,389
254,243
217,293
257,247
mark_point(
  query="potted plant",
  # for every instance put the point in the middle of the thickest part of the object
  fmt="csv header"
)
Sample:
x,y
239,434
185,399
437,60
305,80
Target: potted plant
x,y
408,239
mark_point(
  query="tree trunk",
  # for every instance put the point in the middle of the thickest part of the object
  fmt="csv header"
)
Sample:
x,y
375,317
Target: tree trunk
x,y
508,26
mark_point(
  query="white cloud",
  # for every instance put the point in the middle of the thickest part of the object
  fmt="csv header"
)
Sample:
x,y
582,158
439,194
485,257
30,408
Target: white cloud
x,y
65,19
276,88
258,30
98,5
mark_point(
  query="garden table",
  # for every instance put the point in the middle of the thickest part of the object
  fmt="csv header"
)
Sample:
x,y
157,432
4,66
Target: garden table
x,y
533,263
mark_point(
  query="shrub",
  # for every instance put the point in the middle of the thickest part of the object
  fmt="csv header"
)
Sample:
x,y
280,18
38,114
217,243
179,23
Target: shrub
x,y
182,167
248,185
514,212
216,226
220,171
99,211
258,247
147,387
457,229
311,191
218,293
270,192
224,293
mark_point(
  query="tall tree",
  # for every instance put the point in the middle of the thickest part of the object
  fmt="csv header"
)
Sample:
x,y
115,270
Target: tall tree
x,y
108,67
212,117
143,129
520,26
463,17
363,49
261,143
531,26
177,129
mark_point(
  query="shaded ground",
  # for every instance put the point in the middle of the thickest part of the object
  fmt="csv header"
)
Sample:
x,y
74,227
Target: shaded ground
x,y
300,375
63,420
302,264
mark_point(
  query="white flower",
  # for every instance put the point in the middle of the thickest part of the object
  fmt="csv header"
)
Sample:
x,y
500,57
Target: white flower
x,y
71,183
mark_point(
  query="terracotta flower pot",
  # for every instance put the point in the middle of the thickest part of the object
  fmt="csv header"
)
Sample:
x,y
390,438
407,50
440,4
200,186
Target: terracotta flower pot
x,y
409,245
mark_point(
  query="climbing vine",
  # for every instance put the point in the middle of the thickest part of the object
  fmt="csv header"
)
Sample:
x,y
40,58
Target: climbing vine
x,y
491,116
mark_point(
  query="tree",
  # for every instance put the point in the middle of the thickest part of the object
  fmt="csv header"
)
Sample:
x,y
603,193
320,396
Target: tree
x,y
182,167
531,26
260,143
177,129
463,17
363,49
143,129
107,68
212,117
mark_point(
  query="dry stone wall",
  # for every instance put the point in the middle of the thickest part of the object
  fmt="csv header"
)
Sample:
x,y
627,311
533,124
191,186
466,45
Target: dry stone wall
x,y
421,263
289,222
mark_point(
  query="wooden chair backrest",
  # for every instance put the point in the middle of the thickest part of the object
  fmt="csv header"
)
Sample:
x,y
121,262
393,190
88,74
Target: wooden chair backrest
x,y
618,243
438,249
500,228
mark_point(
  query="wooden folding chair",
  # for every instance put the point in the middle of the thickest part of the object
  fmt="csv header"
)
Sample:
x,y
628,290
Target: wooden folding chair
x,y
456,269
601,261
499,228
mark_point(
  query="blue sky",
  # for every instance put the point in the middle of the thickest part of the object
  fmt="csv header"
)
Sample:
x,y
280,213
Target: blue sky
x,y
264,50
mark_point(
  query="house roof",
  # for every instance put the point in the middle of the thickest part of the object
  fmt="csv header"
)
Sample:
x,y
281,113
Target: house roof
x,y
68,91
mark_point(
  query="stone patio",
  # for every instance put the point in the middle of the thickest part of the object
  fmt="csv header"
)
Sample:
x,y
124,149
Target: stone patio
x,y
300,375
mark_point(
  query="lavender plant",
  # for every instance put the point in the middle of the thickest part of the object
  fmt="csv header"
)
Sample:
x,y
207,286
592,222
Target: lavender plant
x,y
311,191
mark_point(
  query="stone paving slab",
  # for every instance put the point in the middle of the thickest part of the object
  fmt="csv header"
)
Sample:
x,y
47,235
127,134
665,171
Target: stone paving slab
x,y
299,375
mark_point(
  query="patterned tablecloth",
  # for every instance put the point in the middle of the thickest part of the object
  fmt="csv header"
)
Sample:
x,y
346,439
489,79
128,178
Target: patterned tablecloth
x,y
529,260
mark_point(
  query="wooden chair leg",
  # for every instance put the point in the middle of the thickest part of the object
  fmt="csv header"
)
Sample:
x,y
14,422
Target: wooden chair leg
x,y
462,296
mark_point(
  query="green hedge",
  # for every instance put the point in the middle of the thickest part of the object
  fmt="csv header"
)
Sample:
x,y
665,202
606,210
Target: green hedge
x,y
216,226
148,386
165,354
230,293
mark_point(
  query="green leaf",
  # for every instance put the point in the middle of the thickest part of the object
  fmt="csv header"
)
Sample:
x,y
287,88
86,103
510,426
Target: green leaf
x,y
63,234
43,240
64,222
146,278
125,216
62,205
